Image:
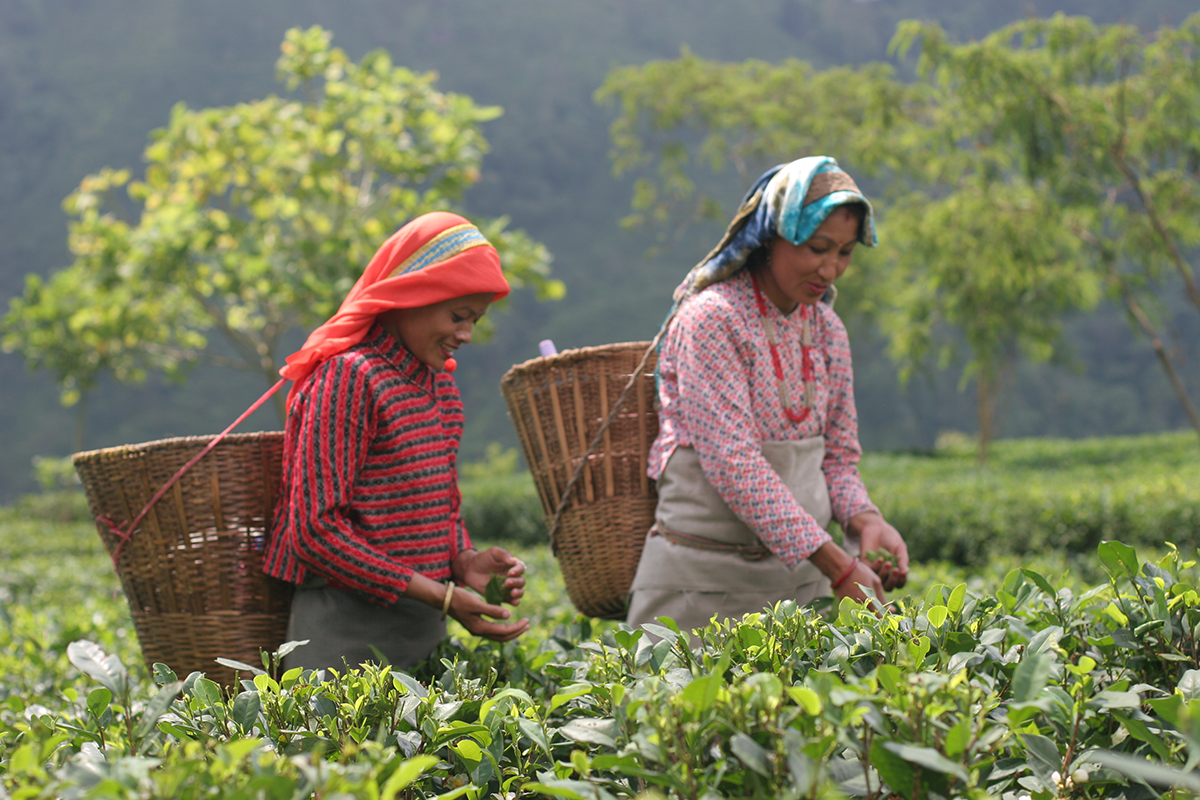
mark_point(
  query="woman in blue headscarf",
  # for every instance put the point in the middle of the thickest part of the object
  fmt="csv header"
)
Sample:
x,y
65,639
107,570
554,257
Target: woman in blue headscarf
x,y
758,443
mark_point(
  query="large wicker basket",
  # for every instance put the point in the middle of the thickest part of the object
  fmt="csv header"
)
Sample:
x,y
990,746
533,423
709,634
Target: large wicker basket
x,y
558,405
192,571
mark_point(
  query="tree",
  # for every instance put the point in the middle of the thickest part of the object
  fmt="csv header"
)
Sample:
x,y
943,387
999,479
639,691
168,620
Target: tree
x,y
1018,175
996,264
255,219
1105,122
749,116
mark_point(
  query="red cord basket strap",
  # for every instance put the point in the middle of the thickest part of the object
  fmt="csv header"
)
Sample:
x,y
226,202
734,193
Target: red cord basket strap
x,y
125,535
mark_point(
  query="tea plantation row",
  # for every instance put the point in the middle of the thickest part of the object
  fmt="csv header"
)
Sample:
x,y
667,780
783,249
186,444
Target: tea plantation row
x,y
1032,496
1058,675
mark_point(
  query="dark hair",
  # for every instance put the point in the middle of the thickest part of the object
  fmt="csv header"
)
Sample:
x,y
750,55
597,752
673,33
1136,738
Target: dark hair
x,y
760,256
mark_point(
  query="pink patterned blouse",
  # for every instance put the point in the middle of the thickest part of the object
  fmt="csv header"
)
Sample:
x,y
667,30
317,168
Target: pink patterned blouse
x,y
718,394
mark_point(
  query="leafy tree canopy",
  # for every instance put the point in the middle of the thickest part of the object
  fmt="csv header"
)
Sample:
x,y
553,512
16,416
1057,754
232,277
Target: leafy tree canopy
x,y
255,219
1019,175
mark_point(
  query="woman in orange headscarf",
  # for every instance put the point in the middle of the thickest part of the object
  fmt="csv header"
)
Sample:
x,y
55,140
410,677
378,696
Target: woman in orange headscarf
x,y
368,523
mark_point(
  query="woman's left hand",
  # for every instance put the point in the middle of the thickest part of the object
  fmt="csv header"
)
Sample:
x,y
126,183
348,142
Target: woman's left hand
x,y
474,568
873,532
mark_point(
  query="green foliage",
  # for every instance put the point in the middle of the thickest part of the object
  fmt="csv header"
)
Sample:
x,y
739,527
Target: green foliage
x,y
995,262
1039,496
1005,682
255,219
1099,121
1036,496
745,114
1020,687
1023,175
500,503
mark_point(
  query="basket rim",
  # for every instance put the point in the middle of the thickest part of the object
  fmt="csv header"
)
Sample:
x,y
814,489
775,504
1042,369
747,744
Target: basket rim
x,y
539,364
171,443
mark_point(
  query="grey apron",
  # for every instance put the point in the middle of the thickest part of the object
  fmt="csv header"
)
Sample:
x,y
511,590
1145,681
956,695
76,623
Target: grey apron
x,y
691,584
342,626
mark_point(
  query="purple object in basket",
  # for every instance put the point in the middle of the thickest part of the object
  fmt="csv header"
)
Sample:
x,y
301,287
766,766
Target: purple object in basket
x,y
547,348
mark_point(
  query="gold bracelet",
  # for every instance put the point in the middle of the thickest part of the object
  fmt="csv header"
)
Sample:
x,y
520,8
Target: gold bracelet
x,y
446,600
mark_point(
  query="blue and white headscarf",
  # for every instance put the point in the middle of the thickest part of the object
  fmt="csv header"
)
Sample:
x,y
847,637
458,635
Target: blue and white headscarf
x,y
775,206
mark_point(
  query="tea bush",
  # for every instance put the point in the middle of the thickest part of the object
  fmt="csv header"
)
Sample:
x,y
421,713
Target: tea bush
x,y
1019,681
1038,495
1032,496
1067,673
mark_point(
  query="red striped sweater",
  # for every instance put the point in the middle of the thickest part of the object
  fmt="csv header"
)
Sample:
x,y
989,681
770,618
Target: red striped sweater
x,y
369,492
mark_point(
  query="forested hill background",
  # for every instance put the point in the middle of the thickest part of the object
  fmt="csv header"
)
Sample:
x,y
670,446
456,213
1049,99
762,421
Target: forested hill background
x,y
82,82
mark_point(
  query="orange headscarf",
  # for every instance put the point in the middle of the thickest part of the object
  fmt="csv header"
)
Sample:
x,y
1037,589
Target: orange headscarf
x,y
436,257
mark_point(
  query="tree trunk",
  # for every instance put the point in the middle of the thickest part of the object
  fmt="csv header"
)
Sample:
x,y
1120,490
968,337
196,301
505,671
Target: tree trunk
x,y
987,392
1164,358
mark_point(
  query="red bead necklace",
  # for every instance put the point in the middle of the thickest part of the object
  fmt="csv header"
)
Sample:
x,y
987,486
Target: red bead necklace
x,y
806,364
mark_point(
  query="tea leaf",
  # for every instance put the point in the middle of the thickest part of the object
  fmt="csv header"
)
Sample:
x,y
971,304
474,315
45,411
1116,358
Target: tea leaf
x,y
1031,676
1148,771
929,758
245,710
751,754
157,706
496,592
91,660
592,731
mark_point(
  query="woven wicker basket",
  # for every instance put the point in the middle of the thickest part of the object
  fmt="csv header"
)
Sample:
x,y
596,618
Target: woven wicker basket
x,y
558,405
192,571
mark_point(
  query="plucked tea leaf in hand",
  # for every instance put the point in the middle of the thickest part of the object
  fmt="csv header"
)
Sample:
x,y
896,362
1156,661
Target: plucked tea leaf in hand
x,y
496,592
872,556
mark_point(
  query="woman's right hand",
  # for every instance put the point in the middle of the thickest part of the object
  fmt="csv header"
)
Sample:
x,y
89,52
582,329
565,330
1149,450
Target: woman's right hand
x,y
834,562
470,609
862,576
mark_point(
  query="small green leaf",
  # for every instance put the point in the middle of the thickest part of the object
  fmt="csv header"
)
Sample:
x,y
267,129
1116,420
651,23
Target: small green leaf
x,y
534,732
751,754
958,737
405,774
163,674
470,751
98,700
157,706
929,758
807,699
1040,582
496,592
1189,685
1148,771
1044,757
207,692
569,693
91,660
245,710
1120,559
894,770
958,597
592,731
1030,677
239,666
701,693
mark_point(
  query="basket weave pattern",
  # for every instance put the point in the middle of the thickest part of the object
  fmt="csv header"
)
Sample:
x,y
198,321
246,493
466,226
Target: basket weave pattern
x,y
558,404
192,571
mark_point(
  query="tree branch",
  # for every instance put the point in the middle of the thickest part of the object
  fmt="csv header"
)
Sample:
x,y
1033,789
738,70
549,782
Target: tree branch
x,y
1139,315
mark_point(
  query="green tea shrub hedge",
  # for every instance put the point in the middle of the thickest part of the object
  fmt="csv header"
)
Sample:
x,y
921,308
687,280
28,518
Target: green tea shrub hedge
x,y
1032,496
1039,495
503,507
1031,691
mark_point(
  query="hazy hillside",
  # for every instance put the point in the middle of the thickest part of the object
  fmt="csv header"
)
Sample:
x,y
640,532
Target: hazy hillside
x,y
82,83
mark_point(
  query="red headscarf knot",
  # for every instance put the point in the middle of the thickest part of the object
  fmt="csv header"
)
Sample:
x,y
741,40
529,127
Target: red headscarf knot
x,y
436,257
